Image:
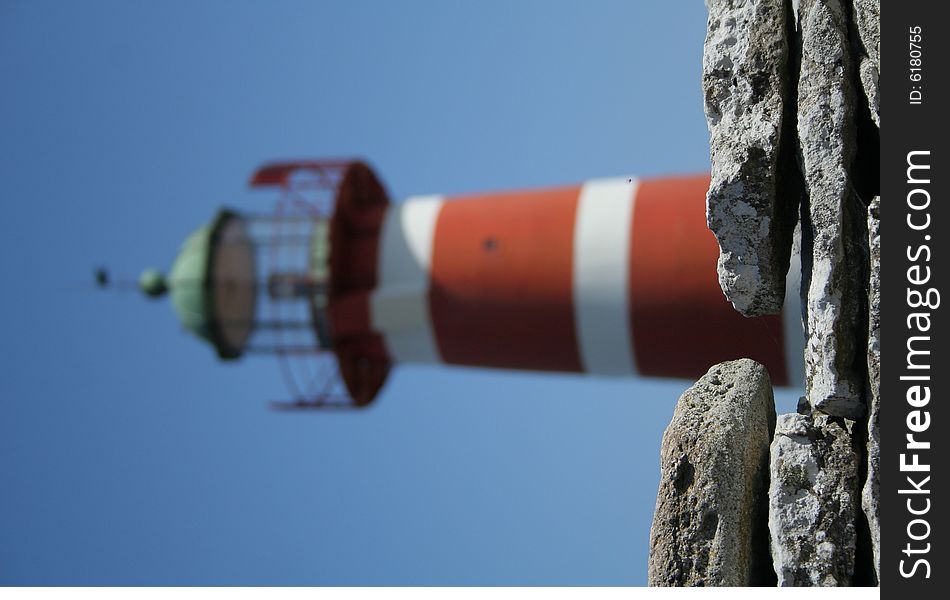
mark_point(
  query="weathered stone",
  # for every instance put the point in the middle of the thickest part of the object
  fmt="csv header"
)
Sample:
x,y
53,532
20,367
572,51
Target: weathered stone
x,y
746,85
710,524
803,407
867,16
813,501
871,494
834,244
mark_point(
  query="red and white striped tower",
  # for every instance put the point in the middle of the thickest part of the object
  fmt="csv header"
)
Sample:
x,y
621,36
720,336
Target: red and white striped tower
x,y
610,277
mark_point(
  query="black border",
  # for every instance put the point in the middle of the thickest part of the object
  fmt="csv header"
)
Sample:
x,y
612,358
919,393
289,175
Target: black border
x,y
907,127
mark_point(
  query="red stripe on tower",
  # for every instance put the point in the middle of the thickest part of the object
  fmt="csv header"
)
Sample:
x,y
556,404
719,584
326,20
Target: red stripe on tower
x,y
501,281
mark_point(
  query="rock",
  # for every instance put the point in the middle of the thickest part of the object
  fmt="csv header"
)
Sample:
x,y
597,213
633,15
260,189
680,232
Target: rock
x,y
812,502
834,244
867,16
710,524
803,407
871,494
746,87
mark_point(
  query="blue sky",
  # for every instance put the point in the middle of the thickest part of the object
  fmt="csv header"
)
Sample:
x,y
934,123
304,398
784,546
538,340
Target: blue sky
x,y
129,455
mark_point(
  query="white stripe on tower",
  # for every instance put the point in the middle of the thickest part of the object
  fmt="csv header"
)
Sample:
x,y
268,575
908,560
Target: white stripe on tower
x,y
399,306
793,330
602,235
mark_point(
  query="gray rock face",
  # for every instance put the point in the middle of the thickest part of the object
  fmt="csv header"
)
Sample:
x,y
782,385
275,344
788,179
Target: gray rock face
x,y
746,87
867,16
755,52
812,502
834,259
871,494
710,528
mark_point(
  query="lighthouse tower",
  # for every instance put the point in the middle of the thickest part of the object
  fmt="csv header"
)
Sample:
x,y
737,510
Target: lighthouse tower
x,y
612,277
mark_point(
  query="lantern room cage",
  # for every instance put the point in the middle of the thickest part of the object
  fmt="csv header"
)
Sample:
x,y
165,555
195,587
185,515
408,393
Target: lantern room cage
x,y
267,283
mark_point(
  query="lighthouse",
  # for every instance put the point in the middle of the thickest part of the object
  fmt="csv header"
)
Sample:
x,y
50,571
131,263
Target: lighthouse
x,y
611,277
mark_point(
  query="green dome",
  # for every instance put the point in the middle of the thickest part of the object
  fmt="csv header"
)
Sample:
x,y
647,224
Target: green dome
x,y
211,284
188,282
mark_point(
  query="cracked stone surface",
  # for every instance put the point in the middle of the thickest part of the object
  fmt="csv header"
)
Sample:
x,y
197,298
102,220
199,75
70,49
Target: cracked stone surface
x,y
835,253
813,501
791,97
871,494
746,86
867,16
709,528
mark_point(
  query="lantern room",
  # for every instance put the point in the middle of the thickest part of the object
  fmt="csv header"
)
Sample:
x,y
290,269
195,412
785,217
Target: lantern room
x,y
265,283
